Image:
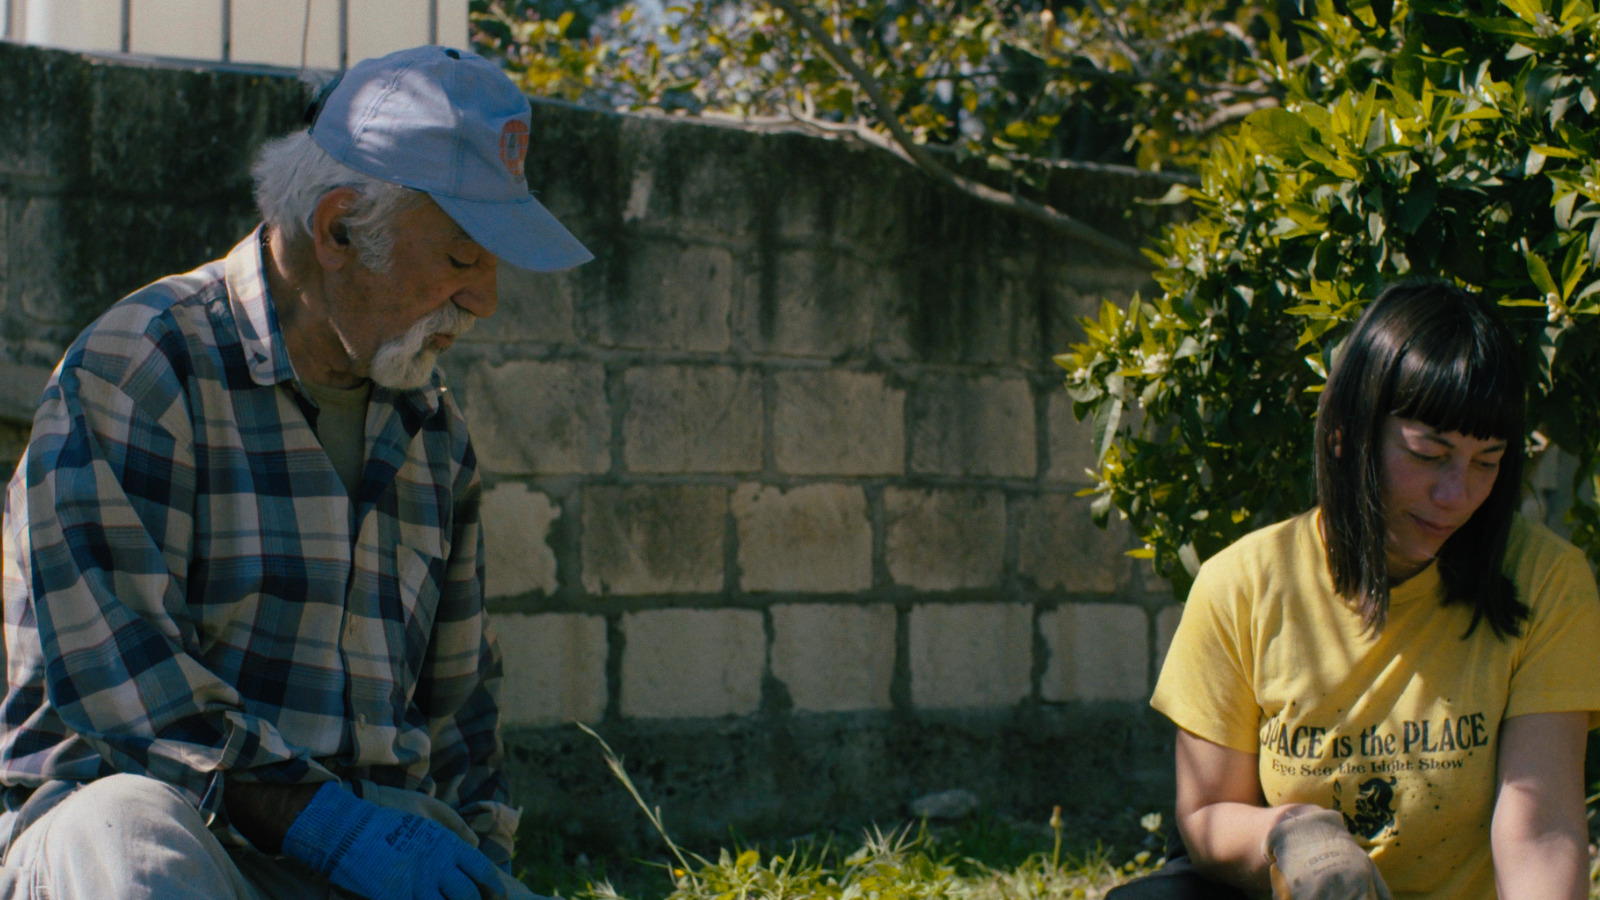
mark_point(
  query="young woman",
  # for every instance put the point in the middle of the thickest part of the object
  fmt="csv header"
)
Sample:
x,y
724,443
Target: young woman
x,y
1388,696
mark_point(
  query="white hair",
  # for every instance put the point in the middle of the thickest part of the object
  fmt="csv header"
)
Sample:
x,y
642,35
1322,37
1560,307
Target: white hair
x,y
293,174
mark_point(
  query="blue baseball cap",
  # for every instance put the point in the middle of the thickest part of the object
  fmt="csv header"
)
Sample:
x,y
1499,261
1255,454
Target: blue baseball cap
x,y
449,123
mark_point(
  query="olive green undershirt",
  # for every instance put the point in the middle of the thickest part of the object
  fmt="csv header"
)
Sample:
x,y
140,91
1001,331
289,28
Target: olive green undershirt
x,y
342,428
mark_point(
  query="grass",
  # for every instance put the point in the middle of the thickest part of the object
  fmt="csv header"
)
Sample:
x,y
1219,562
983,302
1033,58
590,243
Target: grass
x,y
985,857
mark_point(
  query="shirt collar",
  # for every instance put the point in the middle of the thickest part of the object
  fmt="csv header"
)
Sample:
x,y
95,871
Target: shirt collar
x,y
264,350
266,354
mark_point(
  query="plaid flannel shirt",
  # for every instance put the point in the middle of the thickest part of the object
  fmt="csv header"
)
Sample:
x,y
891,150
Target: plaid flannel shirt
x,y
191,595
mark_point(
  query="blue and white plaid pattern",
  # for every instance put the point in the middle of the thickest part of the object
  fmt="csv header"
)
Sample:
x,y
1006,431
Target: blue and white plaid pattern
x,y
190,594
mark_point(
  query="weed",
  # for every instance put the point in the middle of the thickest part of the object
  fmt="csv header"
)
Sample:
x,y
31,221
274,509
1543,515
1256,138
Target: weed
x,y
987,859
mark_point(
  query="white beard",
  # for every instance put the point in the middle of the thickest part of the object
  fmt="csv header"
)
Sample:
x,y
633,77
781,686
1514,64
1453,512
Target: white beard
x,y
406,362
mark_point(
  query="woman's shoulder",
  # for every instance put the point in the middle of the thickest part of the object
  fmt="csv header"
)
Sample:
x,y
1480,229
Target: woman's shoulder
x,y
1249,565
1534,551
1290,539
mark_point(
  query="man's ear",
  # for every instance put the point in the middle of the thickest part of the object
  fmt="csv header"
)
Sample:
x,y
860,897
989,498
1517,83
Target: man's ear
x,y
330,236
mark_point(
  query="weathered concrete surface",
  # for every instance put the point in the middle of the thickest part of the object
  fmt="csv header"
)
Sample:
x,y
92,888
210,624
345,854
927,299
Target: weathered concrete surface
x,y
692,419
517,555
813,538
945,540
970,655
834,658
692,663
653,539
793,774
556,664
1096,652
832,422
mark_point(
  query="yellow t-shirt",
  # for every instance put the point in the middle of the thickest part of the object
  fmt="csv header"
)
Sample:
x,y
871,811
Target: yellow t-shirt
x,y
1398,731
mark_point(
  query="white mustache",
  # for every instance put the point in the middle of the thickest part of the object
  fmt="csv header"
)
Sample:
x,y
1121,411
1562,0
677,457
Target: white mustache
x,y
406,362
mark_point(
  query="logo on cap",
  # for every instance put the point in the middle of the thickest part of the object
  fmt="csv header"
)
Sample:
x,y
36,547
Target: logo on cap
x,y
514,147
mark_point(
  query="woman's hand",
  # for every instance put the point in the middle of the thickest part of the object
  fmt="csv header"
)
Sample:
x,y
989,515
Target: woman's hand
x,y
1539,835
1235,838
1313,857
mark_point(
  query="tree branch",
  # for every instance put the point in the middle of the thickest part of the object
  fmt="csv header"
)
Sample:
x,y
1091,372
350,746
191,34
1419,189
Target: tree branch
x,y
919,156
1113,27
1228,115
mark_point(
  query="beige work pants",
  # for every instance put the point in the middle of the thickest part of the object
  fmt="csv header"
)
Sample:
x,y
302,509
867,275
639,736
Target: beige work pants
x,y
128,837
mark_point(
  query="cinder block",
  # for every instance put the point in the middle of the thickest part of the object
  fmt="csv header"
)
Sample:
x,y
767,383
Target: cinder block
x,y
834,658
540,418
812,538
516,523
555,668
653,539
688,181
1098,651
982,311
838,423
675,298
1062,548
943,540
681,663
821,303
534,306
20,389
970,655
692,419
1072,450
36,227
980,426
1166,626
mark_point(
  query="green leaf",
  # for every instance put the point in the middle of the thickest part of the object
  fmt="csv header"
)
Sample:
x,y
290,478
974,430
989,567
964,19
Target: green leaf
x,y
1419,200
1540,273
1333,163
1278,132
1573,266
1107,418
1558,152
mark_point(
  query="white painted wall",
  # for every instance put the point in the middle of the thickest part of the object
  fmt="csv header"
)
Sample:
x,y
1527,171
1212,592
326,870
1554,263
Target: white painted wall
x,y
73,24
271,31
182,28
315,33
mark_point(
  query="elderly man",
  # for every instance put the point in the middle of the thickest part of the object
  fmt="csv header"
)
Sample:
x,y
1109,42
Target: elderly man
x,y
247,650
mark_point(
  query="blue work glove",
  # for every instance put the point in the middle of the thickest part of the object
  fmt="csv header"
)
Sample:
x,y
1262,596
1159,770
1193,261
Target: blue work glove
x,y
383,854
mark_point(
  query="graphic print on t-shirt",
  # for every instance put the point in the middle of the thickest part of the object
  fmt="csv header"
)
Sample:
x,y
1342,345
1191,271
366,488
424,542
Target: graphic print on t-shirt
x,y
1373,809
1368,767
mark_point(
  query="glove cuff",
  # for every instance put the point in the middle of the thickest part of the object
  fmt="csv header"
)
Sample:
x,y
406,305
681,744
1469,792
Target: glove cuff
x,y
325,829
1321,821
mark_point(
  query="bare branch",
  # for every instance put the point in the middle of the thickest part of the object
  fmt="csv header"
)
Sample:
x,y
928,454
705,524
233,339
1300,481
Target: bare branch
x,y
1113,26
1236,112
919,156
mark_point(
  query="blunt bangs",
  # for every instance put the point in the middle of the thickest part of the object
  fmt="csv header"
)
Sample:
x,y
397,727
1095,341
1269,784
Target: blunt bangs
x,y
1460,379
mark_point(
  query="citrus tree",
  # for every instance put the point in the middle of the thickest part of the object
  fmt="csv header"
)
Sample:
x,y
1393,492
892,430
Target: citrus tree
x,y
980,94
1424,138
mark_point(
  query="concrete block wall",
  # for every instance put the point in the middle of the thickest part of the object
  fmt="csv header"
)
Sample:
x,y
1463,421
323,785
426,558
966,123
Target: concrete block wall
x,y
782,488
797,378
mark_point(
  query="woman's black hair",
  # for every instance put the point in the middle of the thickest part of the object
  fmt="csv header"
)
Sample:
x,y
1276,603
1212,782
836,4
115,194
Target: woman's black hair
x,y
1440,354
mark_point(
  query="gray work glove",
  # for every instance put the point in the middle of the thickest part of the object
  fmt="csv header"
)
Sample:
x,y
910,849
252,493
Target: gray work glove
x,y
1313,857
